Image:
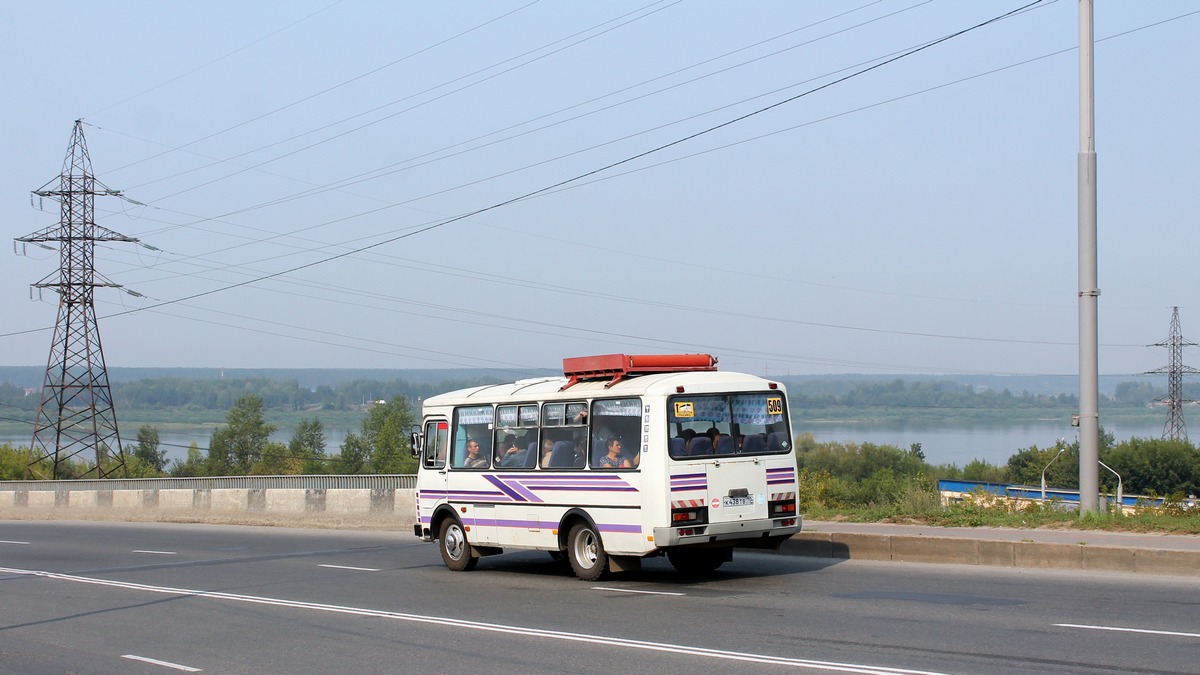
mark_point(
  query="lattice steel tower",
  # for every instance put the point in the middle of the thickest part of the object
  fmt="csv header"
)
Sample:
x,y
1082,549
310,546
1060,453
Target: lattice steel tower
x,y
1175,429
75,413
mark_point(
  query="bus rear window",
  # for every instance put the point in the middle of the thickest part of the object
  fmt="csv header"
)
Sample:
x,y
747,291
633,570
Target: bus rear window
x,y
727,424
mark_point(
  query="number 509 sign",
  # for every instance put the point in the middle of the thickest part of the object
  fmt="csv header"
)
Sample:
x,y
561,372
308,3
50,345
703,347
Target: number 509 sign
x,y
774,406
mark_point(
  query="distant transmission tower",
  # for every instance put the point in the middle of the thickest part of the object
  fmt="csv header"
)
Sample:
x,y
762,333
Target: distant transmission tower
x,y
1175,429
75,413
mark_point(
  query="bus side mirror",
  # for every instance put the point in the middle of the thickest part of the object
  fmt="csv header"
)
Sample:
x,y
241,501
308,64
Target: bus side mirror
x,y
415,441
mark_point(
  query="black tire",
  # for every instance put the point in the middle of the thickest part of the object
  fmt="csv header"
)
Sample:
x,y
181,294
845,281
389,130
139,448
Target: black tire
x,y
456,550
586,552
697,562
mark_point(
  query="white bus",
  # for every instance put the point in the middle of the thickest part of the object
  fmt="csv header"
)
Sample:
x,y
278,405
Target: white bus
x,y
622,458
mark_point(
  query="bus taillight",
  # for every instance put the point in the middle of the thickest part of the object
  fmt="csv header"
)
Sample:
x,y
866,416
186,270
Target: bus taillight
x,y
689,516
780,508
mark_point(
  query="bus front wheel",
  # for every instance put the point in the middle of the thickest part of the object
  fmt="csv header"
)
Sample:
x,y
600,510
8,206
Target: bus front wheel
x,y
456,550
588,559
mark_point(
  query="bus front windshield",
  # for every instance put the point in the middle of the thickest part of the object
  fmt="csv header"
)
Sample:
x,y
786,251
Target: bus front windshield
x,y
727,424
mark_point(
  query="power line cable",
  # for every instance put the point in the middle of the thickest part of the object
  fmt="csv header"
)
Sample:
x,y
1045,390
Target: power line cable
x,y
387,105
881,61
322,92
366,176
216,60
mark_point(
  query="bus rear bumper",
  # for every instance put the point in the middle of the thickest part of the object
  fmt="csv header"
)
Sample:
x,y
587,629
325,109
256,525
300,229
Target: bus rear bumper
x,y
741,533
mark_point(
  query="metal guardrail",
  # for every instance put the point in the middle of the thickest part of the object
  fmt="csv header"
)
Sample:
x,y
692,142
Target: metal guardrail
x,y
367,482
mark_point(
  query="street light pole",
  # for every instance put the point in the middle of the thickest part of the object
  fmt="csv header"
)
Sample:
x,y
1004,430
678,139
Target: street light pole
x,y
1089,378
1120,488
1061,450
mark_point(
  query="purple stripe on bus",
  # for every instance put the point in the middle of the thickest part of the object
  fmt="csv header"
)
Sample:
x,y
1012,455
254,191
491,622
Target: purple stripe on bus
x,y
785,481
535,524
527,524
516,496
461,492
518,486
635,529
689,489
581,485
687,475
534,481
592,488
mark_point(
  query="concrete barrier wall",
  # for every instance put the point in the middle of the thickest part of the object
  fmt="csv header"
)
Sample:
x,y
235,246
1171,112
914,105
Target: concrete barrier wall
x,y
295,503
1023,554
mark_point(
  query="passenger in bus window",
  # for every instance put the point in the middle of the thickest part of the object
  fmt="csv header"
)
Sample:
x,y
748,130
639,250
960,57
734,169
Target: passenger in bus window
x,y
547,448
514,456
474,461
507,453
613,460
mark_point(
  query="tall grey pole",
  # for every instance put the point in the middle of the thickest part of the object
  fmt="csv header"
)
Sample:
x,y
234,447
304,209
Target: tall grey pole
x,y
1089,370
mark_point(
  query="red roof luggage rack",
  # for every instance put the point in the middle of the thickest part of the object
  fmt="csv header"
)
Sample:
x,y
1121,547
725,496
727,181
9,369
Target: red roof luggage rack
x,y
619,366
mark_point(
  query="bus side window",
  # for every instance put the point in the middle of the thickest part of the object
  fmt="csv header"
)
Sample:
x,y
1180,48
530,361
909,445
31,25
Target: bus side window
x,y
562,456
437,442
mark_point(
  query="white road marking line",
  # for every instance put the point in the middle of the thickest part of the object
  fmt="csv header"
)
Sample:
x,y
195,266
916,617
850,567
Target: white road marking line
x,y
164,664
347,567
156,552
630,590
1129,630
564,636
5,541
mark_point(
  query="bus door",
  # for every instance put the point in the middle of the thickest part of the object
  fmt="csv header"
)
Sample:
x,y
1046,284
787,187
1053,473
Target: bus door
x,y
737,489
434,452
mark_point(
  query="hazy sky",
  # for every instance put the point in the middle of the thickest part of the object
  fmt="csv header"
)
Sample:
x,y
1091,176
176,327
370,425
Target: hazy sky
x,y
917,218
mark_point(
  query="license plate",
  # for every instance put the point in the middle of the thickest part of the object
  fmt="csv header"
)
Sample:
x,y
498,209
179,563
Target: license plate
x,y
737,501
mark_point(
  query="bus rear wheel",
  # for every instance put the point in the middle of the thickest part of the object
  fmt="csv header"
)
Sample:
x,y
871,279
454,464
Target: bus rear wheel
x,y
699,561
456,550
588,559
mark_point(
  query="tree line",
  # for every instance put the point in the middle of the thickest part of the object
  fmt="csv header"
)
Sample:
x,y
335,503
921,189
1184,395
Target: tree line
x,y
176,392
168,393
899,393
242,447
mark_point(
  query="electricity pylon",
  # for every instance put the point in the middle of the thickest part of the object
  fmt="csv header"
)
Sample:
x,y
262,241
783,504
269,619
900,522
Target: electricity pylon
x,y
1174,429
75,412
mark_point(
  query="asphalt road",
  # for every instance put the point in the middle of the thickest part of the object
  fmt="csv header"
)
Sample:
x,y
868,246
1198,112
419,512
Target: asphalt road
x,y
97,597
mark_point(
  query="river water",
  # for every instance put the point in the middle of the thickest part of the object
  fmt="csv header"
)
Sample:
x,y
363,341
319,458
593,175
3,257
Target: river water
x,y
960,444
957,444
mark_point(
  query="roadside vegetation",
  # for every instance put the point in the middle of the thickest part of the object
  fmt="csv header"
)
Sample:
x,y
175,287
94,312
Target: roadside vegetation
x,y
883,483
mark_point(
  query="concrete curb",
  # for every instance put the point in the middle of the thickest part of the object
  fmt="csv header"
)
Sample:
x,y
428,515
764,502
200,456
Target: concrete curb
x,y
1020,554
